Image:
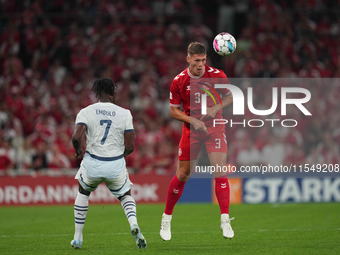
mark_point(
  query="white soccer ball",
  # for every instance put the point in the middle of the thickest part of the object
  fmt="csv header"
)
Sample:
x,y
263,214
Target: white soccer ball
x,y
224,44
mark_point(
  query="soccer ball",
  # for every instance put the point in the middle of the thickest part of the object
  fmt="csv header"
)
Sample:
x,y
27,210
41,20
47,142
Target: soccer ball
x,y
224,44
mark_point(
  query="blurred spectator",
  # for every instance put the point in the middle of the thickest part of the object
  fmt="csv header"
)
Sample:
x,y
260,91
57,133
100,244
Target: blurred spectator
x,y
274,152
26,155
6,156
250,155
39,158
165,159
314,157
296,156
57,159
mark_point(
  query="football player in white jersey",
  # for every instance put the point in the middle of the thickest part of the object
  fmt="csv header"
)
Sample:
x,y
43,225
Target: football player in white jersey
x,y
109,134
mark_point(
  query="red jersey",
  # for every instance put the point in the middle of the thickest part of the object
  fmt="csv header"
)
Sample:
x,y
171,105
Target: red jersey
x,y
186,89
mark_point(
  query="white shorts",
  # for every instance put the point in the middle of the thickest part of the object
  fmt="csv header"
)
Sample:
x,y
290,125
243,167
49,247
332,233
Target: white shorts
x,y
118,185
99,168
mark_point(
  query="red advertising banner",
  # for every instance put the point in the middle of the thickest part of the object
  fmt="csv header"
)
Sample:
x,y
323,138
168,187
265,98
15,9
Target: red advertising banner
x,y
46,190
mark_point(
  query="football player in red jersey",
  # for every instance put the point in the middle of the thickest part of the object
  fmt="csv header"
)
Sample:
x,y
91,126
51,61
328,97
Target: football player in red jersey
x,y
202,133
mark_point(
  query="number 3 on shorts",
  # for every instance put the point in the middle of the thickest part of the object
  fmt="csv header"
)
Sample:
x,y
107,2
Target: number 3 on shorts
x,y
108,122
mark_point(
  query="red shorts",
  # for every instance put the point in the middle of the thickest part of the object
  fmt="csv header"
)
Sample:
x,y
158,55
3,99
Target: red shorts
x,y
192,141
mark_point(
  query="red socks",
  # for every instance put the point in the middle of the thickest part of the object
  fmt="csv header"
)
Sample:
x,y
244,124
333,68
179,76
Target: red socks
x,y
174,193
222,191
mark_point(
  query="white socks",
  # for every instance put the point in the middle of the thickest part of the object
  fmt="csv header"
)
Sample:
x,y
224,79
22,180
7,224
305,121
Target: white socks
x,y
129,207
81,206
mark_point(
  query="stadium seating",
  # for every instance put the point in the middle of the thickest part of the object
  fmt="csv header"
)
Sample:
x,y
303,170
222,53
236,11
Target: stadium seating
x,y
50,53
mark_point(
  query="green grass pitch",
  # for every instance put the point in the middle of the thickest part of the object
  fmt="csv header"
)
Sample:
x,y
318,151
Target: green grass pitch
x,y
259,229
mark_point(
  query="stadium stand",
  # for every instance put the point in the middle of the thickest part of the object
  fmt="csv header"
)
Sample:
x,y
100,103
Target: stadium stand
x,y
50,51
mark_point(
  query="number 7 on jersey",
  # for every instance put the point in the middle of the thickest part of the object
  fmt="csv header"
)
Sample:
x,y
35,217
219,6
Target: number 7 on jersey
x,y
108,122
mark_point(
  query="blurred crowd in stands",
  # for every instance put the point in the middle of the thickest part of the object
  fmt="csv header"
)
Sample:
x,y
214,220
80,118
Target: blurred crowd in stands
x,y
50,52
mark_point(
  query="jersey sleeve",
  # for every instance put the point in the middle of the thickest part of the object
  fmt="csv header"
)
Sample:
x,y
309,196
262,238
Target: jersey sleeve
x,y
129,123
81,118
224,91
175,95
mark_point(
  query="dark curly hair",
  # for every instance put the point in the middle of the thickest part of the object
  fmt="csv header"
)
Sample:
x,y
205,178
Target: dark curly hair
x,y
104,85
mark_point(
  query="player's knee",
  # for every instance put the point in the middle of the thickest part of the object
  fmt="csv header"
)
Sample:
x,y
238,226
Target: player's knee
x,y
183,176
83,191
128,193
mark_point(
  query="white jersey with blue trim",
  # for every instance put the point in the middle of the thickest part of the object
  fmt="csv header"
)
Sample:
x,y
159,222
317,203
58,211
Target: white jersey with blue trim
x,y
106,124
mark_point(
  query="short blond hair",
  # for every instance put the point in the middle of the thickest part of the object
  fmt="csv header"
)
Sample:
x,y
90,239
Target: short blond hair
x,y
196,48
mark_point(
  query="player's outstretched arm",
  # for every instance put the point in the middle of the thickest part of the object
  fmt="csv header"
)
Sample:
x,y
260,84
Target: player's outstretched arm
x,y
77,140
177,114
129,141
